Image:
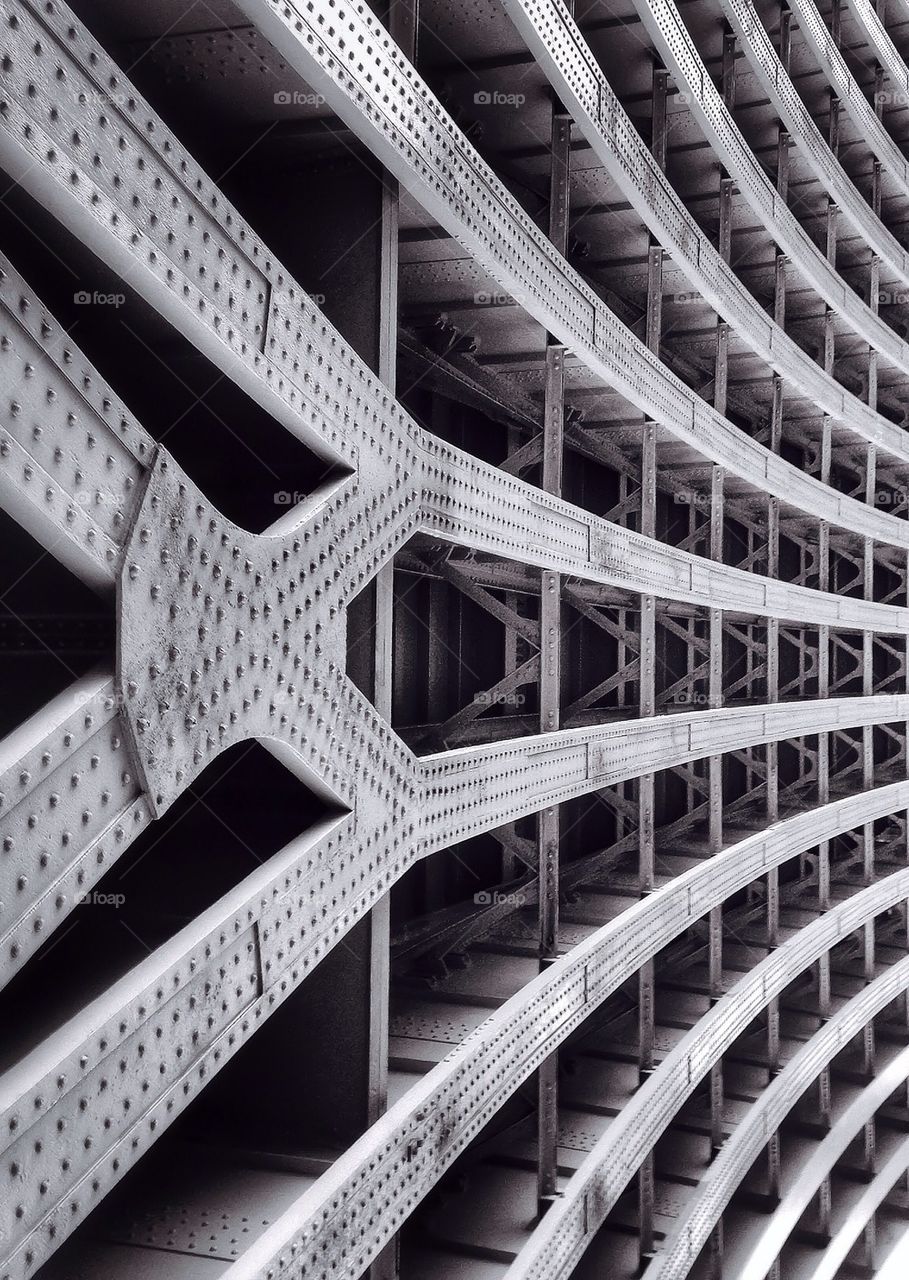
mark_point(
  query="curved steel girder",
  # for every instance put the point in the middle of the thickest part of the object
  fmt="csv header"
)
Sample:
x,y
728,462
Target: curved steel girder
x,y
558,1242
561,50
765,62
505,241
812,1172
676,47
398,1161
820,41
862,1213
262,330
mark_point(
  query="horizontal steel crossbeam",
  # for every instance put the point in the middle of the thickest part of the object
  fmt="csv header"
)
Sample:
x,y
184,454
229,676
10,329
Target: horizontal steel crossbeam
x,y
812,1171
409,1149
560,48
419,143
561,1237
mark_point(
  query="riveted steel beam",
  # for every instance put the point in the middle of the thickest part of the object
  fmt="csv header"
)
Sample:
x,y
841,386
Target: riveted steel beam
x,y
73,461
429,1127
559,1240
563,304
224,636
71,802
575,74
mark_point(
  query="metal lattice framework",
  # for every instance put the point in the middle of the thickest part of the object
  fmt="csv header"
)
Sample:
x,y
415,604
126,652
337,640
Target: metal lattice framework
x,y
583,648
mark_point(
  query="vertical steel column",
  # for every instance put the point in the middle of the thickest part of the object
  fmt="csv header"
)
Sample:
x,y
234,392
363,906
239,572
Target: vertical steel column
x,y
869,1243
771,755
715,652
772,763
773,627
824,1198
868,669
509,664
402,25
551,659
647,663
647,656
715,798
438,659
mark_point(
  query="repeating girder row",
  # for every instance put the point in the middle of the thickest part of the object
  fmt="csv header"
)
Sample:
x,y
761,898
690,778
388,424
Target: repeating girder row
x,y
226,637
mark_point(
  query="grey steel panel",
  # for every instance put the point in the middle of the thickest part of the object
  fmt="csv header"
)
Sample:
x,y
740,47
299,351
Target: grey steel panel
x,y
397,1162
475,788
93,155
72,460
872,27
286,695
861,1214
763,1119
278,924
560,48
85,1104
205,660
894,1265
319,389
558,1241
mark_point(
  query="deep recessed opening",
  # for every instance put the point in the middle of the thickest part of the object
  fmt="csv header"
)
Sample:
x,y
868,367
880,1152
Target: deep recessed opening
x,y
53,628
245,462
242,810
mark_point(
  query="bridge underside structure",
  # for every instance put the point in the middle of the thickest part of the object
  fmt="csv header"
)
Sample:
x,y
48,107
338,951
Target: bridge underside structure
x,y
454,639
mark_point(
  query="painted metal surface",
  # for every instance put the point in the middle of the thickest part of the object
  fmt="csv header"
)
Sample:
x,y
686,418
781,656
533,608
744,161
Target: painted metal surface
x,y
558,1242
225,636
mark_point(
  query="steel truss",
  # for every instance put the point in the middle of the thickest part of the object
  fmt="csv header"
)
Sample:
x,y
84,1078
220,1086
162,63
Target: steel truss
x,y
585,647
